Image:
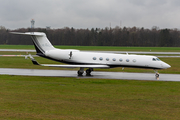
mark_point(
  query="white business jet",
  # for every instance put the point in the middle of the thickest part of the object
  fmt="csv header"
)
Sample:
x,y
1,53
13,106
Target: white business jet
x,y
90,60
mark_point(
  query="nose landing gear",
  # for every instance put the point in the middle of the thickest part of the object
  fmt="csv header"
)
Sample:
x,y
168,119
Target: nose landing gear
x,y
157,74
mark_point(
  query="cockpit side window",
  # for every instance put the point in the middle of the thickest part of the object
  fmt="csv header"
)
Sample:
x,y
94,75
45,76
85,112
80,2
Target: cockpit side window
x,y
154,59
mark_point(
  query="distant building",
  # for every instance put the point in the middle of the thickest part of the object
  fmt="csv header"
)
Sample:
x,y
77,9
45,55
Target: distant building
x,y
48,27
32,23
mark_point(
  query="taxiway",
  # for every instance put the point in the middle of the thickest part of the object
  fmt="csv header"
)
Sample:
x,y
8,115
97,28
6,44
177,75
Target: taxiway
x,y
95,74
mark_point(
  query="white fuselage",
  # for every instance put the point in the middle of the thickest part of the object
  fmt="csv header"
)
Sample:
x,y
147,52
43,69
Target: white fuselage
x,y
112,60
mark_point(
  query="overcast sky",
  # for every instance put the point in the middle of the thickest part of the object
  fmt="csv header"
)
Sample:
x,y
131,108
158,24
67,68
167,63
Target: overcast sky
x,y
16,14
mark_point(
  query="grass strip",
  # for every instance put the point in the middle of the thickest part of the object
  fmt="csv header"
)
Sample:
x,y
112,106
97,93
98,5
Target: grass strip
x,y
23,97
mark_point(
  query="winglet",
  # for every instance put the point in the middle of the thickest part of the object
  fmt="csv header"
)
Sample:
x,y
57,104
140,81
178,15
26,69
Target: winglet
x,y
33,60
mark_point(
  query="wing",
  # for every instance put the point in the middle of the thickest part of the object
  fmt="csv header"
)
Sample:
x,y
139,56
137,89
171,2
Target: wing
x,y
68,66
76,66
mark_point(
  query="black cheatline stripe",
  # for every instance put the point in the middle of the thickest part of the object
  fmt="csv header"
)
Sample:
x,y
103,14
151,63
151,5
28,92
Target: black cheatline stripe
x,y
37,45
133,66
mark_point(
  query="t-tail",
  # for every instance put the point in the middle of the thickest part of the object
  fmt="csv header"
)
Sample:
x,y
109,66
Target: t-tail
x,y
40,41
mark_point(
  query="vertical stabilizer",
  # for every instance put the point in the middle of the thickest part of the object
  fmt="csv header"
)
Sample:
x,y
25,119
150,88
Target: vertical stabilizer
x,y
41,43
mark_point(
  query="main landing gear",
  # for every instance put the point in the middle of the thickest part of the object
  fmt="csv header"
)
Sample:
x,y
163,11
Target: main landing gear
x,y
81,71
88,71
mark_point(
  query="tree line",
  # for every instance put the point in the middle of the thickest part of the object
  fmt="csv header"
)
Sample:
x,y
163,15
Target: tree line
x,y
117,36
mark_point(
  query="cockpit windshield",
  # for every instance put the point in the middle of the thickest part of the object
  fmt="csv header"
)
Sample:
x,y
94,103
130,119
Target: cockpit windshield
x,y
156,59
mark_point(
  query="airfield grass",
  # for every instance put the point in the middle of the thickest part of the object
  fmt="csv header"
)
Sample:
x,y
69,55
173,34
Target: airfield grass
x,y
25,97
99,48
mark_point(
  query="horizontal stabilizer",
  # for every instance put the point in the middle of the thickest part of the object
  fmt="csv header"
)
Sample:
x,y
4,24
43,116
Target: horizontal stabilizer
x,y
29,33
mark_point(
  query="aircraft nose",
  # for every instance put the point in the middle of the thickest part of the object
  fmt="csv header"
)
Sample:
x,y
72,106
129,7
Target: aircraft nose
x,y
166,65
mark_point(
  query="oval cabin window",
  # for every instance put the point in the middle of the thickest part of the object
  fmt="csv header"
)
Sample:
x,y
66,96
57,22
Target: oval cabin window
x,y
100,58
134,60
114,59
121,60
107,59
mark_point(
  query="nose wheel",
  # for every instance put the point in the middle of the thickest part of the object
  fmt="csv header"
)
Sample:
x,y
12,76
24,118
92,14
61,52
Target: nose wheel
x,y
157,74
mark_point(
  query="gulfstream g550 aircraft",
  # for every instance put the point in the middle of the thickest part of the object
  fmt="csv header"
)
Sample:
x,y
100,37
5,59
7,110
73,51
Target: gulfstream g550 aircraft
x,y
90,60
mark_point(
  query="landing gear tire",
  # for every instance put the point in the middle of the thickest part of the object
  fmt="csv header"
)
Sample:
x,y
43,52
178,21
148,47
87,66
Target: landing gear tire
x,y
80,73
157,75
88,71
